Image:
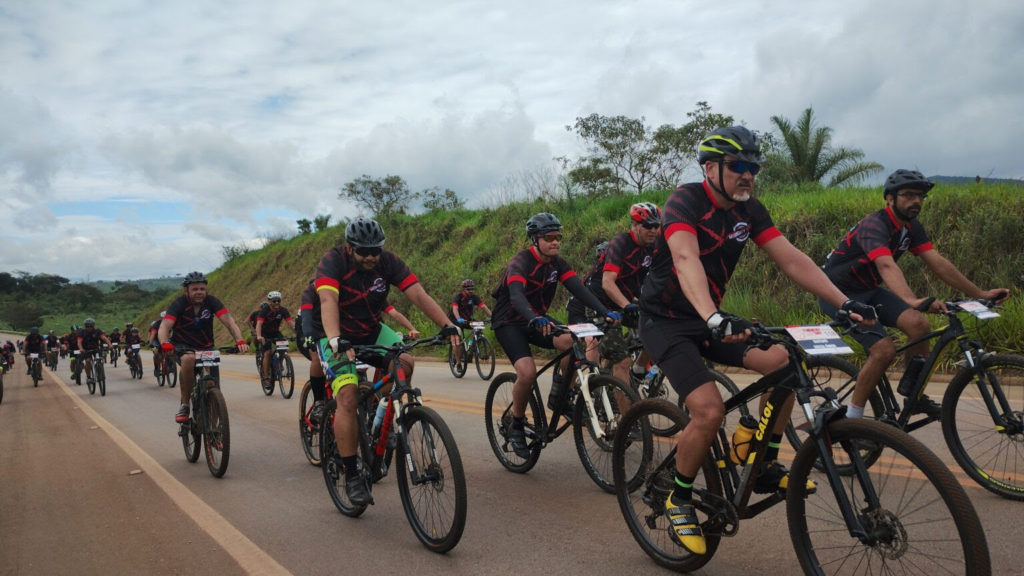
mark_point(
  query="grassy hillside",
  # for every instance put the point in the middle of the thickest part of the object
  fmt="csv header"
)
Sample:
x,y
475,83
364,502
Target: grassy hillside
x,y
975,226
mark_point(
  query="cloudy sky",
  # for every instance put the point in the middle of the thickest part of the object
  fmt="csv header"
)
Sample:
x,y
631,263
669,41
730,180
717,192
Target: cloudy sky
x,y
139,137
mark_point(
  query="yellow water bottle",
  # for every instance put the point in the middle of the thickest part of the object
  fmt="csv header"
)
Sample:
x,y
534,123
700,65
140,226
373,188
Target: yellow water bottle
x,y
741,439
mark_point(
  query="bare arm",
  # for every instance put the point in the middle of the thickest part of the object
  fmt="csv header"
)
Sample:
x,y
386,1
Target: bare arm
x,y
690,272
329,312
949,274
163,333
418,296
802,270
229,323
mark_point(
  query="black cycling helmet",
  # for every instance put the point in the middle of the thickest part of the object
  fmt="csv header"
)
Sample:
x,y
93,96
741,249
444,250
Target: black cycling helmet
x,y
541,224
364,233
90,323
33,330
194,278
901,179
468,284
645,213
734,141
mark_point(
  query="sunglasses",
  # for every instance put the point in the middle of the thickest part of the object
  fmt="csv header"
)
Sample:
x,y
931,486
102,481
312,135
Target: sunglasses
x,y
914,195
553,237
649,226
275,301
741,167
365,251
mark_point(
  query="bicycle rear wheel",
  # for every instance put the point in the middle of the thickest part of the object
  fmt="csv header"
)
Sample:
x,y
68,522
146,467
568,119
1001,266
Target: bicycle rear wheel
x,y
331,466
433,489
498,418
642,503
992,453
483,357
662,388
594,445
37,373
170,372
217,438
309,429
923,522
286,382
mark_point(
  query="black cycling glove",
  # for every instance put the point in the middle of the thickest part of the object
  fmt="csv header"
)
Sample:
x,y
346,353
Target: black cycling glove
x,y
866,311
449,331
723,324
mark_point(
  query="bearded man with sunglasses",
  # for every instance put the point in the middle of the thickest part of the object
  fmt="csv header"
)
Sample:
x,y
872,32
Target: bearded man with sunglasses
x,y
352,283
866,258
705,227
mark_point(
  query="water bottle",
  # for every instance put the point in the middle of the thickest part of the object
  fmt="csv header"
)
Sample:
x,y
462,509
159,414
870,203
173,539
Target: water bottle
x,y
378,419
910,375
649,379
741,439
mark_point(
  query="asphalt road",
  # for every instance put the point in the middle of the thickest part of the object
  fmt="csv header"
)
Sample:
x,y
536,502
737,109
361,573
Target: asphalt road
x,y
100,485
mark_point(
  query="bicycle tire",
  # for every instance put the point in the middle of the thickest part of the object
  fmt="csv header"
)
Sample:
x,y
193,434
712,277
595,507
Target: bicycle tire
x,y
925,523
267,383
435,504
309,433
287,380
90,380
191,437
841,375
172,373
331,466
458,370
662,388
642,503
101,379
595,452
989,452
217,434
498,417
483,357
37,373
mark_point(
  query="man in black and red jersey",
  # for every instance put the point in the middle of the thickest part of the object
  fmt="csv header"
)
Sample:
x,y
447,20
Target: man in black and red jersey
x,y
352,283
464,303
522,298
705,227
89,338
154,342
866,258
268,328
190,316
34,344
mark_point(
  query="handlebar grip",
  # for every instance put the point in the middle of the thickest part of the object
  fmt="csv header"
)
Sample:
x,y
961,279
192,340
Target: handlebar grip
x,y
925,304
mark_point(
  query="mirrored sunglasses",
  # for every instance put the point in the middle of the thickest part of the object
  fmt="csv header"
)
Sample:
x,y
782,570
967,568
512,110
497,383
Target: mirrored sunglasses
x,y
365,251
742,167
552,237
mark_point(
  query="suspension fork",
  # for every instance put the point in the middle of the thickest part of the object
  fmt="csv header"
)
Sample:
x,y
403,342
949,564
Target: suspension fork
x,y
583,373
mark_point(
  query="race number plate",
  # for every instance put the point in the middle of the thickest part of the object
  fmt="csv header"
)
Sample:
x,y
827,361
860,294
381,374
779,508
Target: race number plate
x,y
207,358
816,340
585,330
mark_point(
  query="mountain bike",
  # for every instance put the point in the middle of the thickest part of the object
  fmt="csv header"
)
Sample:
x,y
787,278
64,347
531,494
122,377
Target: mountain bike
x,y
982,410
76,365
35,368
96,376
281,370
906,513
51,359
115,353
311,415
167,370
477,349
133,359
594,401
208,418
431,480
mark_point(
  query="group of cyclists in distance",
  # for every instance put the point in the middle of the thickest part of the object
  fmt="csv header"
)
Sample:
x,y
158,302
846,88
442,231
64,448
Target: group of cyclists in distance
x,y
665,276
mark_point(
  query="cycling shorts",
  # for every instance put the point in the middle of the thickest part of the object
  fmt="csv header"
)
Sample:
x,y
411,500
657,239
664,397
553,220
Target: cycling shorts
x,y
515,340
680,352
341,371
888,306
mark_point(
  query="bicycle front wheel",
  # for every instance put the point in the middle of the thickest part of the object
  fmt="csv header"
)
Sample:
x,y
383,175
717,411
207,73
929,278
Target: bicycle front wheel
x,y
498,418
331,466
90,380
191,436
922,522
217,438
171,369
652,461
458,369
990,449
101,379
309,425
594,442
483,357
286,383
431,481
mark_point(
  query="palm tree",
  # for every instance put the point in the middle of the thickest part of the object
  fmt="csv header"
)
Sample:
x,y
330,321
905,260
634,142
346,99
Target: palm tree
x,y
806,154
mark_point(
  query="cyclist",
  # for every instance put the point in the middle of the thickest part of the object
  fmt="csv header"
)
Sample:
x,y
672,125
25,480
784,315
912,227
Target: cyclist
x,y
191,318
352,283
131,336
34,344
464,303
154,343
268,329
522,298
89,339
53,345
251,321
705,226
866,258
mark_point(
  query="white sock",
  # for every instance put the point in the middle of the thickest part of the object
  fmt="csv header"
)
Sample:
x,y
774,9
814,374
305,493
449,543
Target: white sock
x,y
854,411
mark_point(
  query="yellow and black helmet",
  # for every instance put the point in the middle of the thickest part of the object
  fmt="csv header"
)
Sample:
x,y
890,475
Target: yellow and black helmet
x,y
734,141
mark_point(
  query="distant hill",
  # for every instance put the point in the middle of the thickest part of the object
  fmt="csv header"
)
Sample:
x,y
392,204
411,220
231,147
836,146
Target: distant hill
x,y
147,285
976,179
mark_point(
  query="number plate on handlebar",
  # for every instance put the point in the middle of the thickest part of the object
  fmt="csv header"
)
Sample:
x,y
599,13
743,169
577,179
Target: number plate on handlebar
x,y
136,346
33,355
477,325
979,310
585,330
816,340
282,344
207,358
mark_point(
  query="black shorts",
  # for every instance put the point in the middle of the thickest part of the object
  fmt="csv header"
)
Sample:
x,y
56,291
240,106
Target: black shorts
x,y
515,340
679,347
888,306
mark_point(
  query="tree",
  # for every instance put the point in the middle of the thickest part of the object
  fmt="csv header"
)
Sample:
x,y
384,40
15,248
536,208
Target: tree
x,y
677,146
381,196
22,316
321,222
805,155
434,199
305,226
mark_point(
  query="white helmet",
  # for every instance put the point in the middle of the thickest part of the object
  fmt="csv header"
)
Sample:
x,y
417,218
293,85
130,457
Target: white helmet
x,y
274,295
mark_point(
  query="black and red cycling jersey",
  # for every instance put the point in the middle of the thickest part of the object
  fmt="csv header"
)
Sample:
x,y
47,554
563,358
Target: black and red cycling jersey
x,y
466,304
33,344
362,294
630,260
539,279
721,236
272,320
89,339
193,328
850,266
